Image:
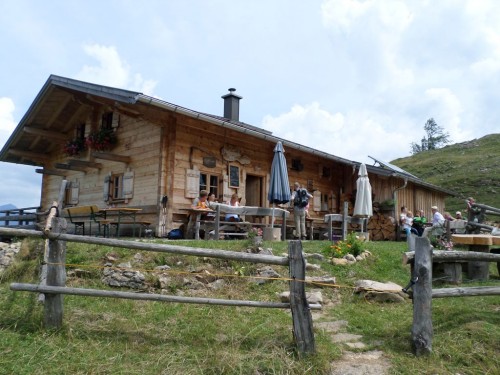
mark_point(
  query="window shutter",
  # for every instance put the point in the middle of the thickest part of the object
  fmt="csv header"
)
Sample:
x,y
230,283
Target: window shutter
x,y
74,193
316,200
128,185
106,188
192,183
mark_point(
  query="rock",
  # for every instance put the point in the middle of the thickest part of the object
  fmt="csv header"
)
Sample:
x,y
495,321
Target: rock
x,y
350,258
266,272
217,284
205,277
312,267
162,268
124,277
380,292
317,256
321,280
311,297
339,261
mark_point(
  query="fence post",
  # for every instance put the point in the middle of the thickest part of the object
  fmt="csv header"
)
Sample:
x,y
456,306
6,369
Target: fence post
x,y
301,314
56,276
422,298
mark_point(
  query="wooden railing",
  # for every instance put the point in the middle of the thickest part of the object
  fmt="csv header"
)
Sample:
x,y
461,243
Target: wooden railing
x,y
422,260
18,217
53,278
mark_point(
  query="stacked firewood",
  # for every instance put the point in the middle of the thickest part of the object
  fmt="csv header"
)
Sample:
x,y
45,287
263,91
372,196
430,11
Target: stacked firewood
x,y
381,227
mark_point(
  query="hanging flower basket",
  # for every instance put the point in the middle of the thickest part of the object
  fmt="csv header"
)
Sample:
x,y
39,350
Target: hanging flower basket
x,y
74,147
101,140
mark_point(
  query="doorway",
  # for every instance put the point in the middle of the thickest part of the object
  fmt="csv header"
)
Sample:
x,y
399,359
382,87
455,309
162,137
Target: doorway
x,y
254,193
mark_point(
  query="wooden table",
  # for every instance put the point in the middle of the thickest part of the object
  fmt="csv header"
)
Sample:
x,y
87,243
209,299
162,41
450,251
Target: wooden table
x,y
122,212
195,218
478,243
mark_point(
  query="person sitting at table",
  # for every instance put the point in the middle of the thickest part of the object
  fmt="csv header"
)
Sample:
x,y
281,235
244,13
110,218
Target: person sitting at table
x,y
201,203
235,202
419,222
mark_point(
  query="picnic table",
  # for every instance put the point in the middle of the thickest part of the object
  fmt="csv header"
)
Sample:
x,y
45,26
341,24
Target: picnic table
x,y
479,243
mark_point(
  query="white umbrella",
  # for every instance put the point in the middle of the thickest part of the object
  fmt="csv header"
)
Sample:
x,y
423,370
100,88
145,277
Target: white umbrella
x,y
363,204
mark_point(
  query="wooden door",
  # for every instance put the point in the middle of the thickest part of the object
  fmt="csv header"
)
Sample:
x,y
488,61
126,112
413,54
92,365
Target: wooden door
x,y
253,191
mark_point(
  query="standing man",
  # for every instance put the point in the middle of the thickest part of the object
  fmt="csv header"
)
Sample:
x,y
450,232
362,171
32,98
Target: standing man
x,y
300,199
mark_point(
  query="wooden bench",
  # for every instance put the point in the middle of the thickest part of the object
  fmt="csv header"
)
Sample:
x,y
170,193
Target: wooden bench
x,y
81,215
142,225
219,226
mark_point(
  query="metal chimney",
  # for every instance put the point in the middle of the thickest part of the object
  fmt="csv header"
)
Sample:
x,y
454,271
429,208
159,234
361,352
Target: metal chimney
x,y
232,105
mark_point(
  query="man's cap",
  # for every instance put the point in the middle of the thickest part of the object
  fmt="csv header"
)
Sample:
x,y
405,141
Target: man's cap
x,y
458,213
434,208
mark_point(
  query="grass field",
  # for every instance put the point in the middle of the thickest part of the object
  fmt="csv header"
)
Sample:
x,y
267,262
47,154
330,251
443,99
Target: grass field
x,y
111,336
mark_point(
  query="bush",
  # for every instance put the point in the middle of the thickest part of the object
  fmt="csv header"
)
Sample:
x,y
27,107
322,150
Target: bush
x,y
351,245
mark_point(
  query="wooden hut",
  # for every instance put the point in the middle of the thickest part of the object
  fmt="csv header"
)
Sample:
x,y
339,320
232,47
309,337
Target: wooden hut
x,y
122,148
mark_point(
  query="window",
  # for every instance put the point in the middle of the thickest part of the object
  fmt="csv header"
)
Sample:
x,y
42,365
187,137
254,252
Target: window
x,y
234,176
119,187
297,165
209,183
107,120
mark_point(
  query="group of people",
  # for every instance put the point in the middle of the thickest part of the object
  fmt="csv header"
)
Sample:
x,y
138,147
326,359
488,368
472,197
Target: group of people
x,y
206,200
301,211
417,224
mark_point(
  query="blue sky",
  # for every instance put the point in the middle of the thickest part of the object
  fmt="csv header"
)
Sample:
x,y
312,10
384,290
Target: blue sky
x,y
352,78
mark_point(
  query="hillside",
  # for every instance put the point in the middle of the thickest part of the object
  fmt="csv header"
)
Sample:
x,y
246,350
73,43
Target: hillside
x,y
470,168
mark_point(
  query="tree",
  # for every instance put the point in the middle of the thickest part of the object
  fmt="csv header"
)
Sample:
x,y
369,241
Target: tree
x,y
435,138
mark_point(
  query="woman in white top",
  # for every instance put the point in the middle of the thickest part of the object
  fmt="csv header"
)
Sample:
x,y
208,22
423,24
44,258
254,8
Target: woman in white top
x,y
235,202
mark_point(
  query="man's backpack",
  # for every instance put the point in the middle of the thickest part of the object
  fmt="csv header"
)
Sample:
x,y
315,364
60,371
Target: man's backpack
x,y
301,198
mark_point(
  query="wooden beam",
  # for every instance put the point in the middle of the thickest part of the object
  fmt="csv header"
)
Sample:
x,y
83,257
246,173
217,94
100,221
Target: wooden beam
x,y
29,155
70,167
45,133
50,172
85,163
127,111
112,157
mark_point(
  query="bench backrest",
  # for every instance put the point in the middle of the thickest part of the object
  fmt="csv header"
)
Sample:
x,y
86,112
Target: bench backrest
x,y
249,210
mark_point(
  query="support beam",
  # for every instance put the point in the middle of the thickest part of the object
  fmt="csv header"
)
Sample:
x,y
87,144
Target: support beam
x,y
84,163
70,167
52,172
112,157
53,135
34,156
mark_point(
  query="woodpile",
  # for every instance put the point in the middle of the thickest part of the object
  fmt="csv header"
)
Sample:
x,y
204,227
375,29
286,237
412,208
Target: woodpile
x,y
381,227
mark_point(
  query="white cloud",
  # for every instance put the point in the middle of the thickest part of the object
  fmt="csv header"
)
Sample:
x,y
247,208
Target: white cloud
x,y
7,123
113,70
352,136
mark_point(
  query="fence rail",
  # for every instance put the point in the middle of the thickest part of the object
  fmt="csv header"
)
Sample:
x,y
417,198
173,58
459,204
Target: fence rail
x,y
53,281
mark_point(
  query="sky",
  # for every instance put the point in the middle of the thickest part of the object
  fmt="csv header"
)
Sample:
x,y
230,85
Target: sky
x,y
349,77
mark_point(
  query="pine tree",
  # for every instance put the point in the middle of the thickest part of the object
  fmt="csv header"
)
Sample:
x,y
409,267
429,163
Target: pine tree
x,y
435,138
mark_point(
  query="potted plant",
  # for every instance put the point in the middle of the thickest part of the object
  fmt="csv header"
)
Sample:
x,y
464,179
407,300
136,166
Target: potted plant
x,y
74,146
101,140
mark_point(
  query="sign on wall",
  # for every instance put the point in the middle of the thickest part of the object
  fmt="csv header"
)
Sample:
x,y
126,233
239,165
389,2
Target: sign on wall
x,y
192,183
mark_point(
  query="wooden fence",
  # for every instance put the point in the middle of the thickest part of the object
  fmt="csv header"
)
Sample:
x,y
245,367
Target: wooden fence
x,y
421,282
18,217
52,284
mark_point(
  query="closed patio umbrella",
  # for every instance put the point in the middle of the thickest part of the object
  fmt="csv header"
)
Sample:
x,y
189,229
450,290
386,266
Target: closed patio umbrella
x,y
363,204
279,188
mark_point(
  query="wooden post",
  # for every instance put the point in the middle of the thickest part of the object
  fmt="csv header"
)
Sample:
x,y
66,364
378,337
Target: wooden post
x,y
217,222
345,221
283,226
301,313
422,298
56,276
478,270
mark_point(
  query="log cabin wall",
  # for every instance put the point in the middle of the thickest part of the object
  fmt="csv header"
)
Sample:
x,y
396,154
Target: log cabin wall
x,y
139,140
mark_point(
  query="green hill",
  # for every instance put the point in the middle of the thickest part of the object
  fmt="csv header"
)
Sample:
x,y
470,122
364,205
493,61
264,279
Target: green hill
x,y
470,168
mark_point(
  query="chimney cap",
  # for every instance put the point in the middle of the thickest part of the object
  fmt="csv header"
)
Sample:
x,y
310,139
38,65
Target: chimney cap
x,y
231,94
